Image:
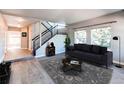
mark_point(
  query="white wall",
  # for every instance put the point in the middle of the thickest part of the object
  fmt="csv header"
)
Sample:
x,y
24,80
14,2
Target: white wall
x,y
30,37
24,40
35,29
117,30
3,29
58,42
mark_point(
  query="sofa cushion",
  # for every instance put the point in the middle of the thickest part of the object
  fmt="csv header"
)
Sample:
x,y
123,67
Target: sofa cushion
x,y
77,46
96,49
83,47
86,56
75,54
103,50
92,57
86,48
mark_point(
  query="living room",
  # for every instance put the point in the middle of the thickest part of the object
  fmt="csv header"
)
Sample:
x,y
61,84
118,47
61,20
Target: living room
x,y
81,50
75,46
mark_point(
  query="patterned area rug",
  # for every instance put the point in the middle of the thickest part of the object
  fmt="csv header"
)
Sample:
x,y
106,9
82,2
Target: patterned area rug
x,y
90,74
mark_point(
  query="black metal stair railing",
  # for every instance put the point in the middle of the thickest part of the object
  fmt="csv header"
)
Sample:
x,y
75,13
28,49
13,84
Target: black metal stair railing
x,y
44,36
48,35
47,25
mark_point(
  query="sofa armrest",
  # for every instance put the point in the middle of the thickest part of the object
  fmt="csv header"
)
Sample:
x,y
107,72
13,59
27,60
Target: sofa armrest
x,y
70,48
109,58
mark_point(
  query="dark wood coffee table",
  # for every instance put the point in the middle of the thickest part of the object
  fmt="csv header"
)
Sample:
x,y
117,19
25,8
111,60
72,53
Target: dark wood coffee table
x,y
71,64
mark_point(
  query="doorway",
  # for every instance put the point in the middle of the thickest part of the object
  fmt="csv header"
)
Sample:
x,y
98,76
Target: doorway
x,y
14,47
13,40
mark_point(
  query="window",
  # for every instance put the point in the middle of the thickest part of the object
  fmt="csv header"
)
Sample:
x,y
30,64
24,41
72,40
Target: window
x,y
101,36
80,36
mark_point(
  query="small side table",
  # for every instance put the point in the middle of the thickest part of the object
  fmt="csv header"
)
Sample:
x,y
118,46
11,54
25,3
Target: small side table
x,y
50,51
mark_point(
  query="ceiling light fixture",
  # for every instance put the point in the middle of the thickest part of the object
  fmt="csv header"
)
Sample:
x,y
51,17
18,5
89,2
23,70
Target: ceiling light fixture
x,y
20,19
18,26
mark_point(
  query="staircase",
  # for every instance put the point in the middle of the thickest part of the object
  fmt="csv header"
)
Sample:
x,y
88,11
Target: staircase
x,y
42,38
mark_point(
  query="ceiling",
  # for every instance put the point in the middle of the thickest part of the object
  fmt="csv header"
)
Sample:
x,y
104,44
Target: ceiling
x,y
22,17
15,21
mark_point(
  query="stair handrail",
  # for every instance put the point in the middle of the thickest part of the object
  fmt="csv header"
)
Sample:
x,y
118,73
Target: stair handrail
x,y
49,23
44,32
46,26
38,37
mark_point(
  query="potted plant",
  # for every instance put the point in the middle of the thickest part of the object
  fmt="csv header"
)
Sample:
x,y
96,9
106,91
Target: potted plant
x,y
67,42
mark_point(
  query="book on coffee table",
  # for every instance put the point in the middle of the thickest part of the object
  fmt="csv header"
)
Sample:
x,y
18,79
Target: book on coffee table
x,y
74,62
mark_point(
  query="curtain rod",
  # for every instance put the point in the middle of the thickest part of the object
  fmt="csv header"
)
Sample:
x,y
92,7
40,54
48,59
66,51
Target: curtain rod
x,y
96,24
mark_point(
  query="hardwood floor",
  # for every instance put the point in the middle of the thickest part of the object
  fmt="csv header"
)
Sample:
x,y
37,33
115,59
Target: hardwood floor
x,y
14,54
117,76
29,72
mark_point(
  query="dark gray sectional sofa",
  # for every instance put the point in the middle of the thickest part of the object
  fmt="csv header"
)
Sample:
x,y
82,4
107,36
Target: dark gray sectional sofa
x,y
91,53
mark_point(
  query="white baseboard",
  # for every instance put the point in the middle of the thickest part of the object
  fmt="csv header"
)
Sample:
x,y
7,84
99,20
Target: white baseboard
x,y
122,63
39,56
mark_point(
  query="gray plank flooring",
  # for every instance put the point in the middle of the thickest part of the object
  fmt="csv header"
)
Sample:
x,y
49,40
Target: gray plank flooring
x,y
117,75
31,72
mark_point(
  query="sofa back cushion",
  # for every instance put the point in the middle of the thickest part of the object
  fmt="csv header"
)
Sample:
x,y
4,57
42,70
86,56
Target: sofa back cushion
x,y
95,49
90,48
77,46
83,47
86,48
103,50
